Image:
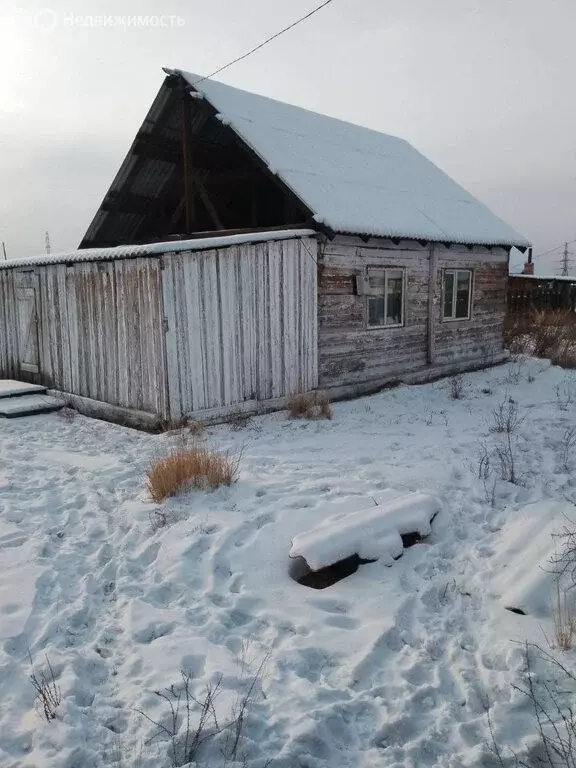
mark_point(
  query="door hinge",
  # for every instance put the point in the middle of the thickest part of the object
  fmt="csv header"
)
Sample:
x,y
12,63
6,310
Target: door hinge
x,y
165,327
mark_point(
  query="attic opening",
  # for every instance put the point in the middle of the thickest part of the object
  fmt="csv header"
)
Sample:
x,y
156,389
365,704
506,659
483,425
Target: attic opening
x,y
186,173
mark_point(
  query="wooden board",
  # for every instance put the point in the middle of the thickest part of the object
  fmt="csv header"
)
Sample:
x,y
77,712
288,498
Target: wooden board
x,y
241,324
11,388
28,405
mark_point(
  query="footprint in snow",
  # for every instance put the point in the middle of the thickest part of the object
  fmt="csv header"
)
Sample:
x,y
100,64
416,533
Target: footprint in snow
x,y
153,631
331,606
343,622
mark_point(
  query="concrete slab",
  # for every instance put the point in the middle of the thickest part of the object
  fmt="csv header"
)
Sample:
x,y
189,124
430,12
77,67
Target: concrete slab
x,y
11,388
28,405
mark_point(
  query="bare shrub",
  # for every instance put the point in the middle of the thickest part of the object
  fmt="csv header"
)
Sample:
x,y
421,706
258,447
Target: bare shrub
x,y
554,716
485,474
506,455
457,386
564,357
48,693
567,445
193,721
564,619
181,702
158,519
67,413
196,428
517,330
564,395
239,421
563,562
185,468
506,418
310,405
550,334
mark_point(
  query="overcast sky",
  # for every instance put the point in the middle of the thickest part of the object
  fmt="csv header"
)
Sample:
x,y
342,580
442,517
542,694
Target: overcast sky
x,y
484,88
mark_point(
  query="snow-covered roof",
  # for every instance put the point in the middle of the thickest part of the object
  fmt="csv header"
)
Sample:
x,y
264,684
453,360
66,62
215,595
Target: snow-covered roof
x,y
563,278
155,249
354,179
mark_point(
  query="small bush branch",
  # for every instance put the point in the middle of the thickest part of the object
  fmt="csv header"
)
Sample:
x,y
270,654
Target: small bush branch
x,y
310,405
567,446
48,693
554,716
506,418
457,387
192,721
563,618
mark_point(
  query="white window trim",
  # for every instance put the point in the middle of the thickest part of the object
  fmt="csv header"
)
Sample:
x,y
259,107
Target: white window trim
x,y
453,318
371,292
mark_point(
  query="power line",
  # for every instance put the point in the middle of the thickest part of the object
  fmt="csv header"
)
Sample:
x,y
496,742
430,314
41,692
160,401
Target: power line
x,y
557,248
261,45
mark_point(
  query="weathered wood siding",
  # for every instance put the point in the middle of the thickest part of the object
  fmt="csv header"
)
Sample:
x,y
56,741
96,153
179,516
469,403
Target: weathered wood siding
x,y
100,331
481,336
8,327
351,353
241,324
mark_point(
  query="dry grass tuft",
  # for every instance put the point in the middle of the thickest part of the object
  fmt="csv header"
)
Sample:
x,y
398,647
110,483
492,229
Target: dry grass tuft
x,y
310,405
186,468
196,428
457,386
564,619
239,421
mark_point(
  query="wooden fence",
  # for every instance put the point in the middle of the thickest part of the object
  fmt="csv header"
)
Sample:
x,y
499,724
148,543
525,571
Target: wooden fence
x,y
528,294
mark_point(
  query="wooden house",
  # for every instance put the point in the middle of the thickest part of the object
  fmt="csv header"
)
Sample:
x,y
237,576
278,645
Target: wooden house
x,y
248,250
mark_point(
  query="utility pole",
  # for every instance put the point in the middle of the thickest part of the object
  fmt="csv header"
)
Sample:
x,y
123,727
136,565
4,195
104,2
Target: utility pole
x,y
47,241
565,261
4,251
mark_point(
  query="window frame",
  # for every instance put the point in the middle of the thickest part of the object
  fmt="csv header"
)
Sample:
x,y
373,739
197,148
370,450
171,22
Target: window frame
x,y
370,293
454,270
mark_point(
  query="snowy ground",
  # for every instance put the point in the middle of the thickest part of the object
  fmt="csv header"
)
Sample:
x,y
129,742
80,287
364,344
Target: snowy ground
x,y
391,667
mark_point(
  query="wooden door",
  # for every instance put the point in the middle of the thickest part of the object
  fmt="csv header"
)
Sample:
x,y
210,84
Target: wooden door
x,y
27,316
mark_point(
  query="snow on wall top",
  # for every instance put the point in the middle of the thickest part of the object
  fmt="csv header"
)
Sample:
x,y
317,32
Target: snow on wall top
x,y
355,179
155,249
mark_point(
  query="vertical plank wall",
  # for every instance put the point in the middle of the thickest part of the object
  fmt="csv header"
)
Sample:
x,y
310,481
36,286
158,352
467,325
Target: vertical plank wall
x,y
100,331
241,324
8,327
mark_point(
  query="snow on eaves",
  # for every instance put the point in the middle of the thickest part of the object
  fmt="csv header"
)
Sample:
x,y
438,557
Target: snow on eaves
x,y
354,179
155,249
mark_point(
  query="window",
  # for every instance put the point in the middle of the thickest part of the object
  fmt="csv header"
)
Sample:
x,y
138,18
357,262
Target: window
x,y
385,289
457,292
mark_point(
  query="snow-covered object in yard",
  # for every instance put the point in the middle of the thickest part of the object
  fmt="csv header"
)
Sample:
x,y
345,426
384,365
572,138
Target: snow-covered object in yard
x,y
355,179
526,579
372,534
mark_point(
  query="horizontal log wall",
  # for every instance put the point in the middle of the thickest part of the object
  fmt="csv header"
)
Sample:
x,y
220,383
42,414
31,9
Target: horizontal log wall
x,y
241,324
351,353
481,336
